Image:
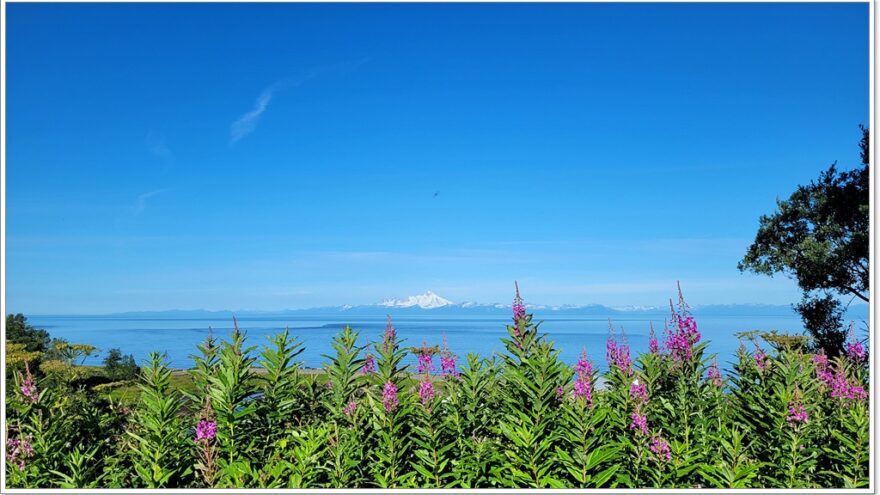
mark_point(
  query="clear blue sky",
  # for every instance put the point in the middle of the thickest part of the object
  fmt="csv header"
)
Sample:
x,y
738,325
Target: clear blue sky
x,y
284,156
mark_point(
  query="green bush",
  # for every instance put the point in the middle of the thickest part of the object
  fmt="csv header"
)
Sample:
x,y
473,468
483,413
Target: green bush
x,y
253,418
119,367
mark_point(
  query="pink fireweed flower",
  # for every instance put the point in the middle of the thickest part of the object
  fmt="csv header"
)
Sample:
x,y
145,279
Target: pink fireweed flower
x,y
820,360
679,346
29,390
389,396
447,361
715,374
618,355
583,384
447,365
856,393
797,413
17,450
683,306
688,327
390,335
350,408
639,392
825,376
426,362
856,351
653,346
369,365
560,393
639,423
583,367
519,309
623,361
426,391
206,430
761,359
28,386
680,341
841,388
660,448
610,349
582,389
839,385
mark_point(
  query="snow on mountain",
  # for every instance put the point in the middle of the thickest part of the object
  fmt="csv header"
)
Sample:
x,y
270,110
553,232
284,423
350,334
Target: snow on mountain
x,y
632,308
428,300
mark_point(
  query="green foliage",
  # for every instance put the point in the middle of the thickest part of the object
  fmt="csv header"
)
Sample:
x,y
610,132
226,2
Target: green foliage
x,y
17,356
347,434
474,401
432,445
732,468
119,367
390,420
530,413
820,236
19,331
823,318
278,388
159,446
231,393
519,419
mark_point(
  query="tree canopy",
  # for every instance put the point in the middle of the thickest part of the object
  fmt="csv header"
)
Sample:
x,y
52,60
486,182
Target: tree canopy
x,y
820,234
820,237
119,367
19,331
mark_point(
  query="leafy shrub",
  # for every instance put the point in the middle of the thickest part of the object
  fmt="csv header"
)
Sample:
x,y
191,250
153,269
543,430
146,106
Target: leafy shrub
x,y
780,418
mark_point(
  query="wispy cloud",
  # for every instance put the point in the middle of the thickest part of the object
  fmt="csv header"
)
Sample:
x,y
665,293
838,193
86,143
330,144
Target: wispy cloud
x,y
247,123
141,203
158,147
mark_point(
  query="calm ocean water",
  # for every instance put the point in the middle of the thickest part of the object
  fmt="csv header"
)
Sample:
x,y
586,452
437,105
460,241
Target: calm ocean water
x,y
178,336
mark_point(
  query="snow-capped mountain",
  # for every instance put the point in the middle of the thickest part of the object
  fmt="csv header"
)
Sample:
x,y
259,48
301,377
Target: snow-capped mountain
x,y
428,300
437,305
631,308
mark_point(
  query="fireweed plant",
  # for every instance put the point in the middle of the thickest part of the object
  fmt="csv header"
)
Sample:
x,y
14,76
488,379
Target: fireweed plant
x,y
674,417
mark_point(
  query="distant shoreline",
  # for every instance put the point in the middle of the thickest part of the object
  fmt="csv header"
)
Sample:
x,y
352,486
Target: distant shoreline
x,y
855,311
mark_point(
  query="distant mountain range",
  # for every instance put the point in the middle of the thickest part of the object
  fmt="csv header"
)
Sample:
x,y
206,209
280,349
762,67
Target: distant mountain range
x,y
431,303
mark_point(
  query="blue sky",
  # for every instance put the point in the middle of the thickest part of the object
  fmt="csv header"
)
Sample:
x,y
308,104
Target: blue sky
x,y
286,156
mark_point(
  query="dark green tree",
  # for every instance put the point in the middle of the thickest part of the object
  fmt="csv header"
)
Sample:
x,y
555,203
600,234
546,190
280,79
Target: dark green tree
x,y
823,316
20,331
819,236
119,367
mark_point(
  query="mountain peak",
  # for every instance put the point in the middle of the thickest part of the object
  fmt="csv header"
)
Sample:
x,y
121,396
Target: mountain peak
x,y
428,300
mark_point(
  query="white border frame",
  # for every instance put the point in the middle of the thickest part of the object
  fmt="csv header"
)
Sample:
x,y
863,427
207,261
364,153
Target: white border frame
x,y
871,315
